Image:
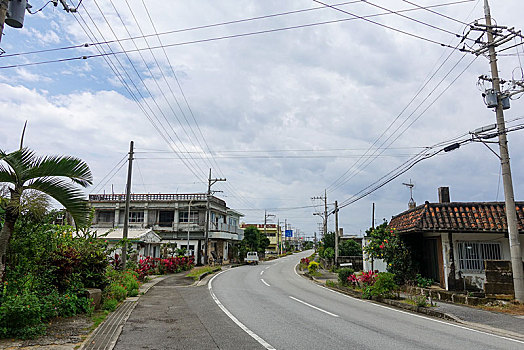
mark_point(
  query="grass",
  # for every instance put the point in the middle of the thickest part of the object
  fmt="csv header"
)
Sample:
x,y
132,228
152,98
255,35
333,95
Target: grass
x,y
98,317
513,309
196,272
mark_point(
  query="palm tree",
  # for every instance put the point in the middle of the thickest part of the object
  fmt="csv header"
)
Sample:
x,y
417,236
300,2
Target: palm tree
x,y
21,170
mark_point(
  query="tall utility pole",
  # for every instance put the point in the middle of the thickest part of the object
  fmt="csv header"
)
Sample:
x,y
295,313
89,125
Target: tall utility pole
x,y
210,183
511,214
279,233
325,217
336,233
128,200
266,215
3,13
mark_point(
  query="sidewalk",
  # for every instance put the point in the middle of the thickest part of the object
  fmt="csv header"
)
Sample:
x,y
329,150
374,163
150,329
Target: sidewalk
x,y
106,334
494,322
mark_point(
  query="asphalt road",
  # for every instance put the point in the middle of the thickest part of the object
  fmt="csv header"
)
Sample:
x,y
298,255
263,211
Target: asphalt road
x,y
282,310
173,315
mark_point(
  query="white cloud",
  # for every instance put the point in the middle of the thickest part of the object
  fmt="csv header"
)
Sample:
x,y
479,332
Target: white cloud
x,y
335,86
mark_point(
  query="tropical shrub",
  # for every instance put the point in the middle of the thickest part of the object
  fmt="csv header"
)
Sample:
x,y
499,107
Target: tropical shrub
x,y
313,267
384,286
150,266
304,263
329,253
47,270
349,247
385,244
20,316
423,282
344,273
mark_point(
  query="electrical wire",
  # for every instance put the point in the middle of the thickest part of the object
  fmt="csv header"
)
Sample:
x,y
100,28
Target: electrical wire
x,y
217,166
404,167
118,165
436,13
20,65
223,24
364,18
414,19
353,170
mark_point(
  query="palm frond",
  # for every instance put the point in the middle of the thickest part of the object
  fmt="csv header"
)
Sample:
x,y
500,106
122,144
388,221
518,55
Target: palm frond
x,y
6,174
66,194
19,161
64,166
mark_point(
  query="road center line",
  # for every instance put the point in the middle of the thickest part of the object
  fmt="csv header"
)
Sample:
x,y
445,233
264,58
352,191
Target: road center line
x,y
261,272
234,319
314,307
267,284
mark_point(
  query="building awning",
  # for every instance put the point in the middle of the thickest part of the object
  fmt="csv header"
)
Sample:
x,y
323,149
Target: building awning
x,y
141,235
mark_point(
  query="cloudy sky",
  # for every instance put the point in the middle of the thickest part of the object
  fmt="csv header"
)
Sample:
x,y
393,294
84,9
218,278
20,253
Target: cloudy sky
x,y
285,99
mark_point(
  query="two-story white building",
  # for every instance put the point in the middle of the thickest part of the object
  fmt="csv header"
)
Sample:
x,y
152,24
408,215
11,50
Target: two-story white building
x,y
175,218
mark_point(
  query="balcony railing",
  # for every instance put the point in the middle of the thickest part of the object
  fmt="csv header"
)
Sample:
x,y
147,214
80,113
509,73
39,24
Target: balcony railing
x,y
158,197
226,228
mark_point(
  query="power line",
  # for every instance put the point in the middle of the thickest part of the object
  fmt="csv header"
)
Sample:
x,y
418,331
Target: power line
x,y
364,18
415,20
85,45
219,38
427,8
339,181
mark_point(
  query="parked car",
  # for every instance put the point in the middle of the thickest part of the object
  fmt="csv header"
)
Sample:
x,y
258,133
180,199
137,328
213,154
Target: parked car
x,y
251,258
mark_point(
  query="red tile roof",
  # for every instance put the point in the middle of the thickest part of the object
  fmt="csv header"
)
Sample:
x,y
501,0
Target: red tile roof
x,y
457,217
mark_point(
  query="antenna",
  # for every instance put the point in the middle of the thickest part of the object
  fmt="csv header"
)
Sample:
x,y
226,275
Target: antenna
x,y
411,204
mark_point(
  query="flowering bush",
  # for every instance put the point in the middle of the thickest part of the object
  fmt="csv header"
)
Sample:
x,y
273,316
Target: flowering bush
x,y
363,280
150,266
313,267
385,244
304,263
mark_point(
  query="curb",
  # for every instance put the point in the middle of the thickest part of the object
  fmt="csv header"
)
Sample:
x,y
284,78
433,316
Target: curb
x,y
106,334
394,303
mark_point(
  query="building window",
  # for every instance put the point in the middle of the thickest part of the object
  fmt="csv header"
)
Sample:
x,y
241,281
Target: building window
x,y
166,218
183,216
472,255
136,216
105,216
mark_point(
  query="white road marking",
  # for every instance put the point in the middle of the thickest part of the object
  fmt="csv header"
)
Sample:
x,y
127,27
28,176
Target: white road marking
x,y
267,284
424,317
234,319
314,307
261,272
268,267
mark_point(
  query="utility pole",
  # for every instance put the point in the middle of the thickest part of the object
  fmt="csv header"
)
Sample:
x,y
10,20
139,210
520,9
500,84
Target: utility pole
x,y
511,214
336,233
3,13
373,217
325,217
266,215
285,231
278,237
128,200
210,183
188,225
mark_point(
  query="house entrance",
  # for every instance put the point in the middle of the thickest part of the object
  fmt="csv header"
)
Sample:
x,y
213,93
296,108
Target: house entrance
x,y
431,259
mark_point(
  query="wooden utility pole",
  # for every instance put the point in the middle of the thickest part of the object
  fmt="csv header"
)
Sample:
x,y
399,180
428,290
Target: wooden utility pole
x,y
511,213
210,183
336,233
128,200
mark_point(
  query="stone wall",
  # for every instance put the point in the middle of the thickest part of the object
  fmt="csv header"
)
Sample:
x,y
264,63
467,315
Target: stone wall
x,y
499,279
